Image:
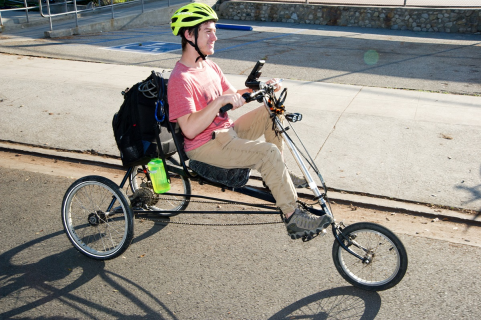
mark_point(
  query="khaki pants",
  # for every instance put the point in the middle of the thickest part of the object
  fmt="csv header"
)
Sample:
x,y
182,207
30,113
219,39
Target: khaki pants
x,y
236,148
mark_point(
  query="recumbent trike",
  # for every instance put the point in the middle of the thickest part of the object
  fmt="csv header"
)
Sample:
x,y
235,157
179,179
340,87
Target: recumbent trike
x,y
98,215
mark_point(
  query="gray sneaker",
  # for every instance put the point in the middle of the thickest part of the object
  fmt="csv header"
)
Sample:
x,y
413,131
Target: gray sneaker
x,y
303,223
298,181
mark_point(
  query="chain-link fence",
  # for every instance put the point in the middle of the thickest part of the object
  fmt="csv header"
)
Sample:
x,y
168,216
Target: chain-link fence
x,y
393,3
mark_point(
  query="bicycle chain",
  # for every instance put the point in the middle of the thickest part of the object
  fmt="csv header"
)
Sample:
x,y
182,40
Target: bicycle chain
x,y
217,224
214,224
219,202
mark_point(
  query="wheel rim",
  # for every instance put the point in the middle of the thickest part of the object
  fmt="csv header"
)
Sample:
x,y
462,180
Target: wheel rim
x,y
384,257
92,229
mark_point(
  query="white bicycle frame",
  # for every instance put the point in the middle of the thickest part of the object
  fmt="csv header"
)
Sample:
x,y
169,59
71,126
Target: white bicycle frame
x,y
300,163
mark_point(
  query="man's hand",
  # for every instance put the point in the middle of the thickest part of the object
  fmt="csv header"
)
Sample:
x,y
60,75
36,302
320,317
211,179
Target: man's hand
x,y
278,85
235,99
194,123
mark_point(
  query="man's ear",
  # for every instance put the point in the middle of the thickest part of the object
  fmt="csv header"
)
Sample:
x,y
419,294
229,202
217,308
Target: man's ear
x,y
188,35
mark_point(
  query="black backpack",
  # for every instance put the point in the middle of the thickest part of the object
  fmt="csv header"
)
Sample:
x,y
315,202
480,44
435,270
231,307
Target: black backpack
x,y
142,118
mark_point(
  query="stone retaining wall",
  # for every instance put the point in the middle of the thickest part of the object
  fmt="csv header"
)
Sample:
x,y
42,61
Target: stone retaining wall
x,y
396,18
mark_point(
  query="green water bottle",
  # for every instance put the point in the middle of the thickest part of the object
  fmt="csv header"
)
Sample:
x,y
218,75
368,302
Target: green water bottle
x,y
158,176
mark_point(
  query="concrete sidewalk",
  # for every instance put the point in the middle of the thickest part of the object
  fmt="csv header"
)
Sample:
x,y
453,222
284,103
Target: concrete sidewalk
x,y
409,145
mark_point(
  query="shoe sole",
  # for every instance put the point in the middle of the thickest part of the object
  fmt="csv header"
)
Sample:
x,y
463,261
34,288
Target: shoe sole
x,y
308,233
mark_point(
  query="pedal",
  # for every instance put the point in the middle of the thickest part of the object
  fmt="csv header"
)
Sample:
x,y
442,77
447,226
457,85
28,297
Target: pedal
x,y
309,237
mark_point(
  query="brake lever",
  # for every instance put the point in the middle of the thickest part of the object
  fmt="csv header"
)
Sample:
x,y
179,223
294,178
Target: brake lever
x,y
282,97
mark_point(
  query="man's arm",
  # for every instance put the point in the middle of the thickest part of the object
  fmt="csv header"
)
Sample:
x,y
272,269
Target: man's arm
x,y
194,123
242,91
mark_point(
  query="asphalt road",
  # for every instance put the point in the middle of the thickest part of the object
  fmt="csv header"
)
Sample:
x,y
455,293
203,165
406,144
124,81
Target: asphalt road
x,y
207,272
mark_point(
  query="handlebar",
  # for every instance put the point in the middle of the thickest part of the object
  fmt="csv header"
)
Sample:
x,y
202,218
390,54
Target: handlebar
x,y
248,97
229,106
272,85
226,108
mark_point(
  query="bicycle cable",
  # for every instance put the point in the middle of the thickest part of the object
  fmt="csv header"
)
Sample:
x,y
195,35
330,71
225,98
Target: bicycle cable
x,y
310,161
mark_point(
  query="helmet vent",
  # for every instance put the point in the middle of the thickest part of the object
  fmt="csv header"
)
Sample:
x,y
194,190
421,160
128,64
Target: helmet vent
x,y
188,19
202,13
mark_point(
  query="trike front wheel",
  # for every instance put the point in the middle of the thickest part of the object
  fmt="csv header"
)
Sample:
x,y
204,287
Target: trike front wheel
x,y
385,258
97,218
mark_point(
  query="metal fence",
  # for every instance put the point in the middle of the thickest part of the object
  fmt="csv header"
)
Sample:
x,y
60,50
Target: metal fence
x,y
390,3
49,10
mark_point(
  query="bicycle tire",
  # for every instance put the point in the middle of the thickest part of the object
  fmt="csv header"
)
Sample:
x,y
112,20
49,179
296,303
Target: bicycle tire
x,y
388,256
95,231
172,203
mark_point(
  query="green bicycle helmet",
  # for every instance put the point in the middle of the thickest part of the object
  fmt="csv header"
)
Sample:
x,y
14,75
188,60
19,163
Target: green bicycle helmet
x,y
191,15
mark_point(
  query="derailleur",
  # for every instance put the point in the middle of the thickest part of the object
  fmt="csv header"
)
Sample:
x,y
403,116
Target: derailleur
x,y
143,198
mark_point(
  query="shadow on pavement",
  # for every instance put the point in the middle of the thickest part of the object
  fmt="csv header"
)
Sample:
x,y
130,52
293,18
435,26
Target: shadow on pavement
x,y
53,280
337,303
475,192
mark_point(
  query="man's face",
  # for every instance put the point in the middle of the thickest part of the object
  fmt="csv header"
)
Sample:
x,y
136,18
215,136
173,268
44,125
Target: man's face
x,y
207,37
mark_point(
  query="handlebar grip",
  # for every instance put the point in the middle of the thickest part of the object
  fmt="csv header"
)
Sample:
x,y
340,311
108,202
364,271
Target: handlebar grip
x,y
247,97
226,108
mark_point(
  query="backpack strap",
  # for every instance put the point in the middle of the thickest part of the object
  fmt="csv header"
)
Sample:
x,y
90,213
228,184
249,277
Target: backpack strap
x,y
161,95
160,117
160,150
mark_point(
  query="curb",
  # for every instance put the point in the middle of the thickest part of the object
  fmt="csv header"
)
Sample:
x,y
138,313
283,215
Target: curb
x,y
403,206
336,196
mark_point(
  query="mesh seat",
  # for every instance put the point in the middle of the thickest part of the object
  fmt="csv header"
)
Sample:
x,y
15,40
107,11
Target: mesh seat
x,y
233,178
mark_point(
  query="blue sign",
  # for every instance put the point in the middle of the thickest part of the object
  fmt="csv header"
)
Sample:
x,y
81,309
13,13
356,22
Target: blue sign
x,y
149,47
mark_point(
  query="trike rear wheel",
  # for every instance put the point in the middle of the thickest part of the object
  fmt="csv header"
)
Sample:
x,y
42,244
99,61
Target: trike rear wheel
x,y
385,258
97,218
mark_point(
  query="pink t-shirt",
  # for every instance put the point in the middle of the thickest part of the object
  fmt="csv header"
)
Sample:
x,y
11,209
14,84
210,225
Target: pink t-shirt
x,y
190,90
